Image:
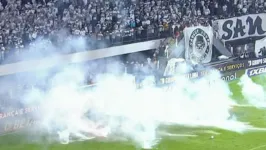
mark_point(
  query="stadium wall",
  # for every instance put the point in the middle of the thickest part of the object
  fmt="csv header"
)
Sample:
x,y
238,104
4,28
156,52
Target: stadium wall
x,y
59,60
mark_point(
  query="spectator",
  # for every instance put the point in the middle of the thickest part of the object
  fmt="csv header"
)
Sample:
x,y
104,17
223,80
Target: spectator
x,y
110,21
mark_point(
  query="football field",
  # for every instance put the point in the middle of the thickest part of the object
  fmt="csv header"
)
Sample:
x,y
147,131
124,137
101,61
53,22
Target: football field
x,y
181,138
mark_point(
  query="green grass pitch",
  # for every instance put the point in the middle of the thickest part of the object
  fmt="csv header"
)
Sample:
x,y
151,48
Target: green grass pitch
x,y
225,141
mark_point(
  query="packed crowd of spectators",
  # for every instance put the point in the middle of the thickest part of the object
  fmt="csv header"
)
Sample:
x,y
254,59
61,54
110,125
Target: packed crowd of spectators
x,y
108,21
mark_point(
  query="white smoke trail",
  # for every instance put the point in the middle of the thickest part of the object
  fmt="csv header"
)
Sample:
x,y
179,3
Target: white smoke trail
x,y
252,92
116,108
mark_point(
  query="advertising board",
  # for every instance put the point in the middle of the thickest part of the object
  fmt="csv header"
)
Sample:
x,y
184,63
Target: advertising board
x,y
231,66
256,71
17,119
231,76
256,62
228,76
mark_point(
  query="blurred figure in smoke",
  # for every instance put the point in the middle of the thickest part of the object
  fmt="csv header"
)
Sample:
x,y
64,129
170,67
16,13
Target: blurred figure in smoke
x,y
231,113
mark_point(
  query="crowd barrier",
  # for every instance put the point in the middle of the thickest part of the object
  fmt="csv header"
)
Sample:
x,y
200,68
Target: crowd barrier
x,y
59,60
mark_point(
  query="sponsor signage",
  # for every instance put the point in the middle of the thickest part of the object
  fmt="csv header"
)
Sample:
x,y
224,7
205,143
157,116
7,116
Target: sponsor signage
x,y
194,75
232,75
241,27
234,66
229,77
256,71
198,44
11,121
230,71
256,62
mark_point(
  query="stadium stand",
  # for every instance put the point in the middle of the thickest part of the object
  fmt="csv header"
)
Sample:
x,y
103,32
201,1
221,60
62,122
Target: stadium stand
x,y
109,22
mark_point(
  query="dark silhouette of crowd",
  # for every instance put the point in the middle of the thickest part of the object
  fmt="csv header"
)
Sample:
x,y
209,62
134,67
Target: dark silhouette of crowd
x,y
107,23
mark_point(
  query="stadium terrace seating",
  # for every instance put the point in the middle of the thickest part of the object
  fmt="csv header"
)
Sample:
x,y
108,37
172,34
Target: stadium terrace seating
x,y
107,23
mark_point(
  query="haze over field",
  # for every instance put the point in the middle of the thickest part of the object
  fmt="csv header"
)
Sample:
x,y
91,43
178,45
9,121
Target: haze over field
x,y
115,108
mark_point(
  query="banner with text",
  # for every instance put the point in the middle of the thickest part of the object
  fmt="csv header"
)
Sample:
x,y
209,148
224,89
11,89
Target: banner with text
x,y
256,62
198,44
260,48
241,27
17,119
256,71
231,66
228,76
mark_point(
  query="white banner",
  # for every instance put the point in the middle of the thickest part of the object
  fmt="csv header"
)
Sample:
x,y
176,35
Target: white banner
x,y
198,44
260,48
241,27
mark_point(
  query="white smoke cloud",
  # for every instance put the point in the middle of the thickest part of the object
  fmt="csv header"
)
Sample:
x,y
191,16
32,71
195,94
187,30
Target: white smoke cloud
x,y
116,108
253,92
42,47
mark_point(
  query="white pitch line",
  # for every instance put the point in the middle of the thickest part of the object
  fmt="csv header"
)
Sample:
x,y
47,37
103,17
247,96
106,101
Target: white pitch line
x,y
257,129
258,147
184,135
238,105
178,135
210,132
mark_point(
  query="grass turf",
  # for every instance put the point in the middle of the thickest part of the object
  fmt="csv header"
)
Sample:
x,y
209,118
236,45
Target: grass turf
x,y
225,141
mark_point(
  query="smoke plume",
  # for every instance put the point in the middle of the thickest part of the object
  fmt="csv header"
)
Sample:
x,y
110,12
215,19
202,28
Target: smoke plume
x,y
252,92
115,108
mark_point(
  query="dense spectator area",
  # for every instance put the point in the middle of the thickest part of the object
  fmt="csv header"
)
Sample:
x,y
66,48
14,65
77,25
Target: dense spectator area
x,y
108,22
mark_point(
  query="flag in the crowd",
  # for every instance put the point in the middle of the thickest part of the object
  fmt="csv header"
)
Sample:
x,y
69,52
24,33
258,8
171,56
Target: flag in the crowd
x,y
198,44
